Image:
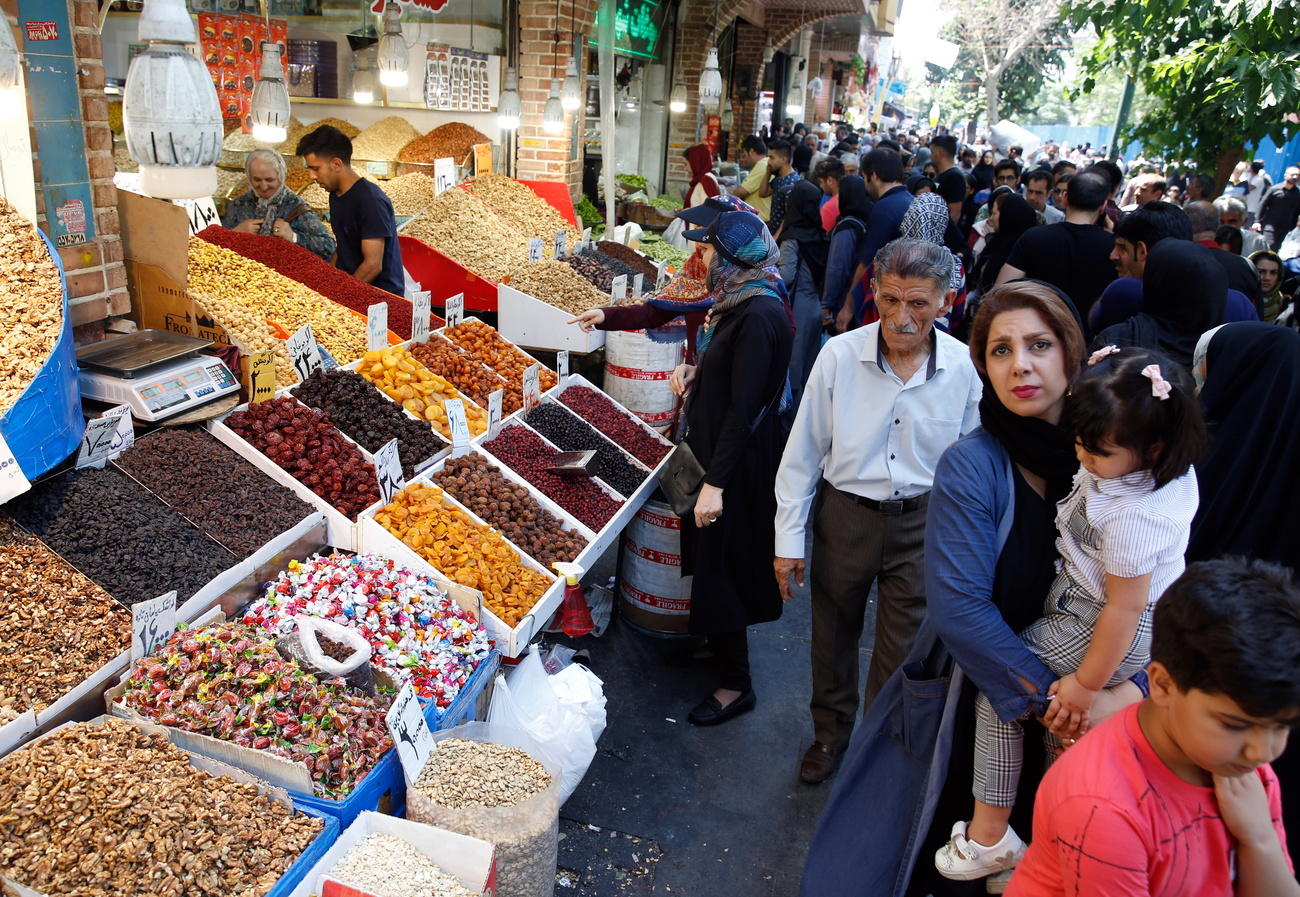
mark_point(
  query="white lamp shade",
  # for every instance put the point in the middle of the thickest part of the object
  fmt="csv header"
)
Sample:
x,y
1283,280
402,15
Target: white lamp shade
x,y
711,81
794,102
172,121
363,85
553,114
677,99
270,105
391,57
508,107
571,93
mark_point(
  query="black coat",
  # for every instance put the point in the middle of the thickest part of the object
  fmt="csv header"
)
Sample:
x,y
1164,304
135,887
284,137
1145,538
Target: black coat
x,y
741,373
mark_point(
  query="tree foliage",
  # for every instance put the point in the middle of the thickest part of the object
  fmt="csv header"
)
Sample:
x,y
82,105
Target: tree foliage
x,y
1223,71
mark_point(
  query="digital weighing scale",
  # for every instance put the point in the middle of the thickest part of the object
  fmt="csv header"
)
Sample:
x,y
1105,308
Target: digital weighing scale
x,y
158,374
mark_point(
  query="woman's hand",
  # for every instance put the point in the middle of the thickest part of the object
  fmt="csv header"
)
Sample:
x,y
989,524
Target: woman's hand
x,y
283,230
1070,708
248,226
708,507
589,319
682,378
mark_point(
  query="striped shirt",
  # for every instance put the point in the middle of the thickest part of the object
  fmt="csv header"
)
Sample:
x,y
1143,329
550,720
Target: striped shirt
x,y
1123,527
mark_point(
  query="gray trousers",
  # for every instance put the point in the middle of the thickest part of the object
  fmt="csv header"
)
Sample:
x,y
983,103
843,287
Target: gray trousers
x,y
854,546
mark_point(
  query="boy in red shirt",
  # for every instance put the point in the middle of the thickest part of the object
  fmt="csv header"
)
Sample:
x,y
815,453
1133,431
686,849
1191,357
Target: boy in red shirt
x,y
1174,795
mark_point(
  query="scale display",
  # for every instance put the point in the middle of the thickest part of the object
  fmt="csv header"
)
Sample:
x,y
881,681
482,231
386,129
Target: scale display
x,y
163,391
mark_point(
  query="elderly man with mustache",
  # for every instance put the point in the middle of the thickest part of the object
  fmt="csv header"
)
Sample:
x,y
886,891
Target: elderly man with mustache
x,y
881,405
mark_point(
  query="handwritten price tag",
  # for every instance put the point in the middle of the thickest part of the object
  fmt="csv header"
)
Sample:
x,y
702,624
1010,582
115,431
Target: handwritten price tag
x,y
494,412
561,244
459,426
638,286
618,292
661,277
532,386
105,437
377,327
562,362
410,732
421,316
444,175
261,376
388,471
534,249
152,623
455,310
124,437
303,352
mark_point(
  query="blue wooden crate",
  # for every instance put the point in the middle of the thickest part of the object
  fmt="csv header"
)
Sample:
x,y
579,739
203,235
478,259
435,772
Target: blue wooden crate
x,y
462,709
321,844
382,790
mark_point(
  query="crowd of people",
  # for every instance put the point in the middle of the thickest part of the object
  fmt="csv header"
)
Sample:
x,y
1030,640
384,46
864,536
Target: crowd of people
x,y
1045,410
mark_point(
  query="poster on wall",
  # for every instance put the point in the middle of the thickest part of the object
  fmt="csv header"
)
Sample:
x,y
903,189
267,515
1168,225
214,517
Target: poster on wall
x,y
458,80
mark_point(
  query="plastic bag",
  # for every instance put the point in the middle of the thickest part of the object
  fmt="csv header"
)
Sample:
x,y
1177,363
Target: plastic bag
x,y
672,235
303,645
1290,247
564,714
526,835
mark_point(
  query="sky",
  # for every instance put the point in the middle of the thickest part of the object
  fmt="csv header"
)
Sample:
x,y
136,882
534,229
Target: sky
x,y
917,30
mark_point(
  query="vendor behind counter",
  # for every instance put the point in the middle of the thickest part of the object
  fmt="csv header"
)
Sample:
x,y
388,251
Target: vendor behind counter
x,y
270,208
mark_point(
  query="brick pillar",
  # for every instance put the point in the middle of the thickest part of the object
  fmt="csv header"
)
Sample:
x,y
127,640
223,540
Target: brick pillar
x,y
748,81
543,156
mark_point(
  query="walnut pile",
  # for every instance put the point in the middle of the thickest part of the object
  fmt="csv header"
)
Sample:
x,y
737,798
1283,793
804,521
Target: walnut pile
x,y
461,226
100,810
56,626
31,304
532,215
555,283
450,141
409,193
382,141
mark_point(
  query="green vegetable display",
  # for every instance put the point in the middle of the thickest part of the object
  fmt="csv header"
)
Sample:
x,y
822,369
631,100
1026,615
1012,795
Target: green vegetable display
x,y
666,203
636,181
661,251
587,212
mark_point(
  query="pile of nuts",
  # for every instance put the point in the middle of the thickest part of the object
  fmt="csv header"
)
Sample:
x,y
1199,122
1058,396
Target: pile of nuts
x,y
383,140
247,330
461,773
31,304
389,867
296,179
453,140
356,407
421,392
524,209
56,626
108,809
573,435
602,414
508,507
304,443
120,535
524,452
630,257
591,271
465,373
409,193
308,269
555,283
497,353
221,493
466,552
459,225
315,196
350,130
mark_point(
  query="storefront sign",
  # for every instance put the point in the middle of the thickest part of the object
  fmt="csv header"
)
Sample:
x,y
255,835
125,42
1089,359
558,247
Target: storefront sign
x,y
377,327
388,471
303,352
152,623
41,30
422,315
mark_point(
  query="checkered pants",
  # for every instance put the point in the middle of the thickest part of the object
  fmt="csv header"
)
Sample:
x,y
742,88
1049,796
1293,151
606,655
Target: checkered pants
x,y
1060,640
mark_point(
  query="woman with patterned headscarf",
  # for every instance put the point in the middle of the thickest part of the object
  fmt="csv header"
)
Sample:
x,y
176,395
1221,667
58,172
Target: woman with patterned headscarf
x,y
927,219
270,208
737,432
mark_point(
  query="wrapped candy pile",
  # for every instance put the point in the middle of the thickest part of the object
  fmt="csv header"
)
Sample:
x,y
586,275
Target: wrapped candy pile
x,y
228,681
416,631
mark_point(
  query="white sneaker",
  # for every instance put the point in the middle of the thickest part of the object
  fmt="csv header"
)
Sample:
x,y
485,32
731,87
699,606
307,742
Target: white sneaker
x,y
997,883
965,860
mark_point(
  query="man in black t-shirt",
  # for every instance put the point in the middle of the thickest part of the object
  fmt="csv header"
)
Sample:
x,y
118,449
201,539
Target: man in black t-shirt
x,y
1073,255
948,177
360,214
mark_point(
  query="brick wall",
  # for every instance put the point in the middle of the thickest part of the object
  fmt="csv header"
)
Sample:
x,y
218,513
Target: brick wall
x,y
748,80
543,156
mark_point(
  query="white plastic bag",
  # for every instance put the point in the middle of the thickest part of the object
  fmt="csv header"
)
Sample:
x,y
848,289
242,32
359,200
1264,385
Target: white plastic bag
x,y
1290,245
672,235
564,714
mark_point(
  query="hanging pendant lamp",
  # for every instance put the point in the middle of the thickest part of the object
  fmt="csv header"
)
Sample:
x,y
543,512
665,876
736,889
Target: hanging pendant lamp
x,y
553,114
711,81
391,54
677,99
571,94
270,112
508,103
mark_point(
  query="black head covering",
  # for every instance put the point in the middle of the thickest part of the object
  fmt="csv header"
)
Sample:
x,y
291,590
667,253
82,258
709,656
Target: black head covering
x,y
983,174
854,201
1250,495
802,159
803,224
1184,290
1015,216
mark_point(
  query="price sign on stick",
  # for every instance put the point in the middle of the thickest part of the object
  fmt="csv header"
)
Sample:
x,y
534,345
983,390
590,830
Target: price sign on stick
x,y
562,362
561,244
534,249
455,310
410,732
105,437
619,290
532,386
12,480
494,412
388,470
444,175
661,276
303,353
459,426
638,286
152,623
421,316
124,438
261,376
377,327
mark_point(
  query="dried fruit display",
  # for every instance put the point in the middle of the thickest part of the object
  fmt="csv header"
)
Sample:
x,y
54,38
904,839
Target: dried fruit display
x,y
113,530
592,271
420,391
224,495
56,626
309,270
507,506
524,452
382,141
416,631
604,415
31,304
555,283
227,680
465,372
303,442
519,205
571,434
459,225
497,353
464,551
453,140
629,257
107,809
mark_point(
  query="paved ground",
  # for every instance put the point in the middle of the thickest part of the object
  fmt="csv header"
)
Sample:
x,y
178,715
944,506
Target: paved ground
x,y
671,809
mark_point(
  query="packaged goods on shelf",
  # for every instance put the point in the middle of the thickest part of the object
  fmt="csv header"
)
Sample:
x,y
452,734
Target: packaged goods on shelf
x,y
56,626
303,442
634,260
557,284
453,140
382,141
416,631
31,305
221,493
464,550
141,550
356,407
410,193
308,269
149,817
601,413
524,452
420,391
518,204
474,482
488,346
458,224
571,434
466,373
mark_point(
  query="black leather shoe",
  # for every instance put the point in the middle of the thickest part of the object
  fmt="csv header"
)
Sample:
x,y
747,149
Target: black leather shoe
x,y
709,712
